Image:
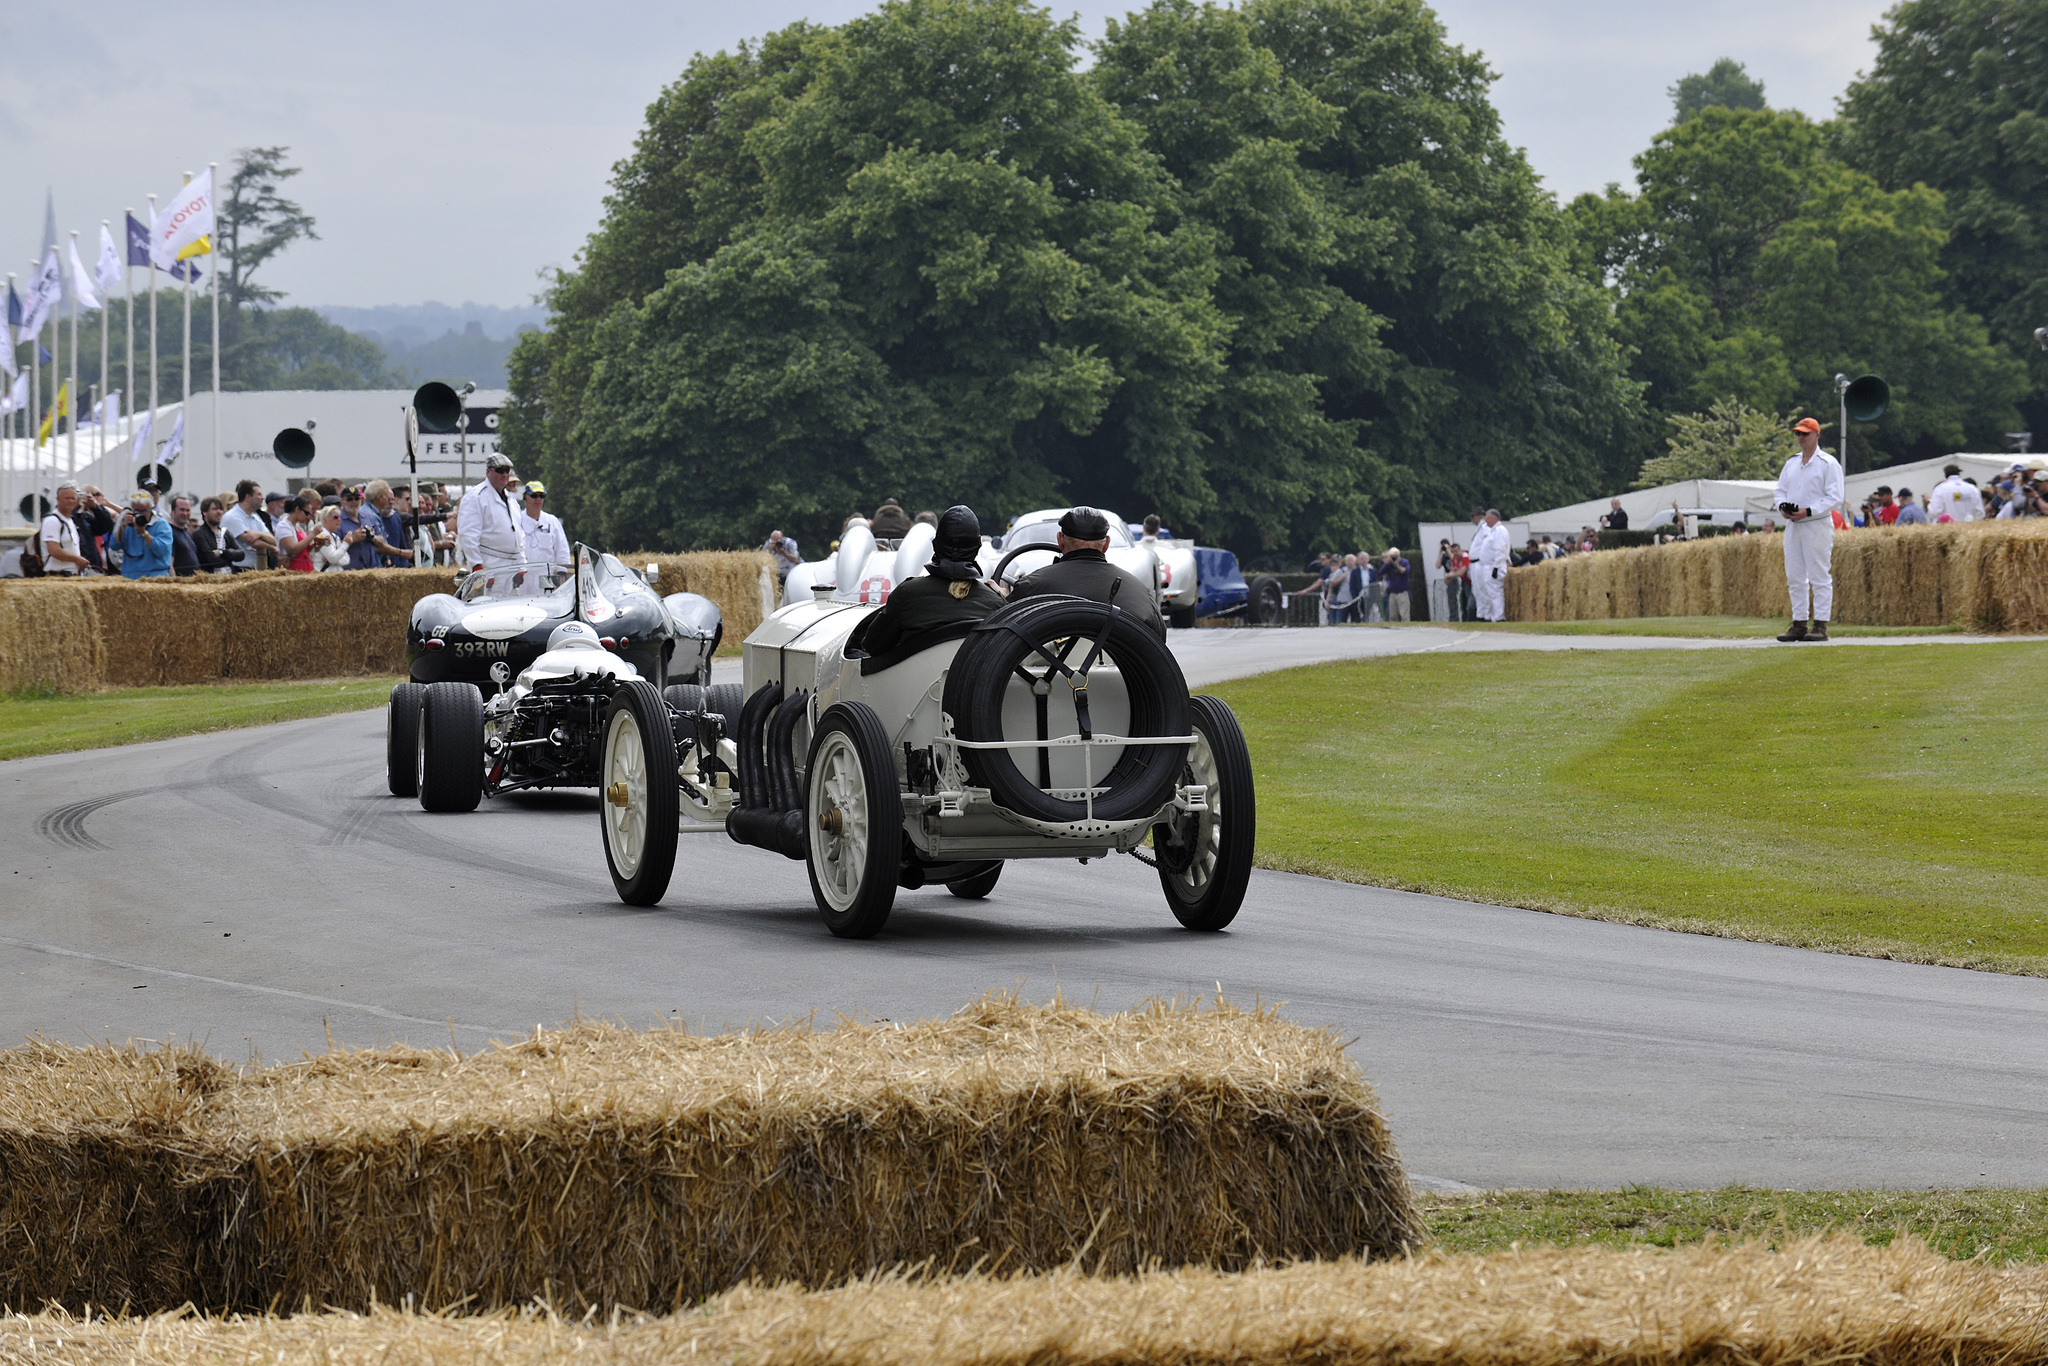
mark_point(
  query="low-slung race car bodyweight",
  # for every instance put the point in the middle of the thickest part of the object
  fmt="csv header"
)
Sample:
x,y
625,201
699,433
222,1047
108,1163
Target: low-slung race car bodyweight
x,y
1056,728
512,675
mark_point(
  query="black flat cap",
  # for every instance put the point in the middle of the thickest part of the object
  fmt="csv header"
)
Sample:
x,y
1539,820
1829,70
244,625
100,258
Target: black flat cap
x,y
1085,524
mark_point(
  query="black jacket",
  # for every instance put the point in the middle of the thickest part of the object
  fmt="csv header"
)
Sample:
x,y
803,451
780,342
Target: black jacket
x,y
207,540
924,604
1089,574
184,552
93,523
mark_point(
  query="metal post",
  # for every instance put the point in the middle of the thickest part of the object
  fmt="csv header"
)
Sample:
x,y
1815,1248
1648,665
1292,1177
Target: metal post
x,y
213,283
71,433
35,402
151,268
128,323
100,427
7,508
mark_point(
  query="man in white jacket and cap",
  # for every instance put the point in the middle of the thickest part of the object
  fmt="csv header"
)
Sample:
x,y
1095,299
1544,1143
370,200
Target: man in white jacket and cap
x,y
1956,496
1809,488
1490,567
490,531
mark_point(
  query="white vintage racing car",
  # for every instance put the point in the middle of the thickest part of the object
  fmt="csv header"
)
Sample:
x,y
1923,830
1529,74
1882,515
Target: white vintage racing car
x,y
1056,728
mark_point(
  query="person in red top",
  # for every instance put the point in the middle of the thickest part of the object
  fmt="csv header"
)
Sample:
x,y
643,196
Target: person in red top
x,y
1881,503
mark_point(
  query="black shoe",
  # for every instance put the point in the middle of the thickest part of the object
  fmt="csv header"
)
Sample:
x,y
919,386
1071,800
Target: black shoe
x,y
1798,632
1819,631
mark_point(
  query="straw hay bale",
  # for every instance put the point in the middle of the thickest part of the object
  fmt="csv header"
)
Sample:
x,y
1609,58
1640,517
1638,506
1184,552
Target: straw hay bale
x,y
322,625
596,1166
158,631
1821,1302
730,578
49,637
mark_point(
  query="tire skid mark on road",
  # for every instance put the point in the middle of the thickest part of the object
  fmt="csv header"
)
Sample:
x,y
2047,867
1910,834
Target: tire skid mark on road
x,y
66,824
381,1012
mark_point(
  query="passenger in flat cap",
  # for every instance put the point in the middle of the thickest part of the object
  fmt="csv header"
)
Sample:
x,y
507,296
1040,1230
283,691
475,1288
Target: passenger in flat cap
x,y
950,590
1083,570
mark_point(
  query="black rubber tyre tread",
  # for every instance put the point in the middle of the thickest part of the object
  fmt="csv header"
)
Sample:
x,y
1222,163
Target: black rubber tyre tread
x,y
976,887
1181,619
683,696
451,747
870,910
1218,905
1266,606
650,880
726,699
401,740
1143,777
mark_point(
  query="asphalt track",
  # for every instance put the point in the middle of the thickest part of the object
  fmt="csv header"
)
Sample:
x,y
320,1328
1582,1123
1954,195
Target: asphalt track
x,y
257,889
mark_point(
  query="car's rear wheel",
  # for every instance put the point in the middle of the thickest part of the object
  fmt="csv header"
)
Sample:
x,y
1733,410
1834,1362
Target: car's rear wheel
x,y
449,772
1268,604
853,821
1205,857
402,740
976,887
726,699
683,696
638,795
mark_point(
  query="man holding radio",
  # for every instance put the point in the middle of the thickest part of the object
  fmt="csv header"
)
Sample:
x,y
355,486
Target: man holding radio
x,y
1809,487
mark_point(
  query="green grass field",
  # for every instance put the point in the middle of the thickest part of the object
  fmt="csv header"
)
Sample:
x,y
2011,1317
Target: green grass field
x,y
1699,628
1884,802
1997,1225
126,716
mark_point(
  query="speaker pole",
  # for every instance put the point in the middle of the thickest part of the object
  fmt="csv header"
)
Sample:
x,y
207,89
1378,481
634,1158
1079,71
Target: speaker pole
x,y
1842,398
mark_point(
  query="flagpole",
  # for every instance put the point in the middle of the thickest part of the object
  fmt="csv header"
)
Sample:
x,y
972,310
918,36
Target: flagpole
x,y
7,507
71,433
151,268
213,288
35,402
128,324
185,389
106,316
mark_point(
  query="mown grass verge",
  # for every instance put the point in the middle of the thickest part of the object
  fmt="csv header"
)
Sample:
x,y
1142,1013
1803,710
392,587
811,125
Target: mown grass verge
x,y
1999,1226
126,716
1878,802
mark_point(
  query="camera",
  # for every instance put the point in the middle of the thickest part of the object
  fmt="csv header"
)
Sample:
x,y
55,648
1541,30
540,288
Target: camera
x,y
143,516
1788,508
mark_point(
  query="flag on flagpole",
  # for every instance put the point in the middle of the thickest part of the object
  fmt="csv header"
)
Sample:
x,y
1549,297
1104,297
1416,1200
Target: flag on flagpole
x,y
140,446
185,219
81,280
109,269
176,445
7,362
138,248
44,293
17,397
61,408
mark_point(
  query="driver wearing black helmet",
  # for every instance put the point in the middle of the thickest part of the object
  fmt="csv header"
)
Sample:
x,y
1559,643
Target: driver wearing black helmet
x,y
950,590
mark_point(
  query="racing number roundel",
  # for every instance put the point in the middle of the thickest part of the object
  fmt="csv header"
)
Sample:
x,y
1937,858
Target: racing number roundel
x,y
874,588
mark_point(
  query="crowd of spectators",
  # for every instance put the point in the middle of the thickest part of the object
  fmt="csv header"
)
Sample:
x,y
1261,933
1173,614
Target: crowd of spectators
x,y
325,527
2022,491
1361,586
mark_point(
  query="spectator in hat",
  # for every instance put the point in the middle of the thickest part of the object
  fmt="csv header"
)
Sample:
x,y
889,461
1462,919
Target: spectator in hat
x,y
1808,489
1956,497
1910,513
144,540
1083,570
1394,574
546,540
490,531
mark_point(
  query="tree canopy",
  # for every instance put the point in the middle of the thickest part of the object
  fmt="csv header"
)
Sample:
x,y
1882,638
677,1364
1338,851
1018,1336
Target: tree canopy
x,y
1958,100
1752,264
1271,272
1726,84
1729,441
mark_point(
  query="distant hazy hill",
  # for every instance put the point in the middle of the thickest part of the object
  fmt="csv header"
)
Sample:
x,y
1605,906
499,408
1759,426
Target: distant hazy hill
x,y
442,341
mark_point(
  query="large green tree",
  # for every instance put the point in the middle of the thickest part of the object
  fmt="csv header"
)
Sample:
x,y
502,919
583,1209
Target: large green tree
x,y
1958,100
1753,265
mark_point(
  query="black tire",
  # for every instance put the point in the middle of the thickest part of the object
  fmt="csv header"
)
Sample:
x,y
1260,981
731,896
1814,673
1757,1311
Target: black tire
x,y
683,696
1267,605
637,804
402,741
726,699
1181,618
1205,859
853,821
1143,776
976,887
449,769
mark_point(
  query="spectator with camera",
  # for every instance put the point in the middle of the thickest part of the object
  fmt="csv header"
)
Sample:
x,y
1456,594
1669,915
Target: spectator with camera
x,y
1394,574
380,518
144,540
247,539
297,532
783,553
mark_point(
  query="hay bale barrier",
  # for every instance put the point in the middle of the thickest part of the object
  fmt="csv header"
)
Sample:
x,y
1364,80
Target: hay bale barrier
x,y
598,1167
1824,1302
65,635
1988,576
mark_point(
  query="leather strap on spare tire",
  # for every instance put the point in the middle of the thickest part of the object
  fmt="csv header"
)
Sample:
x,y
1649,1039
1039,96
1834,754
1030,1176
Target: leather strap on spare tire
x,y
1037,635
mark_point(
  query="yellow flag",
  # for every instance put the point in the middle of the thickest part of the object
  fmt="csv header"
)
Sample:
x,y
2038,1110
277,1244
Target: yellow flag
x,y
203,247
61,408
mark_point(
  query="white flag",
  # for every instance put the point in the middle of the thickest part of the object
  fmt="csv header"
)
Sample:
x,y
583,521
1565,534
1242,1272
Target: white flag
x,y
113,271
17,397
186,219
110,409
140,446
176,445
8,364
81,282
44,293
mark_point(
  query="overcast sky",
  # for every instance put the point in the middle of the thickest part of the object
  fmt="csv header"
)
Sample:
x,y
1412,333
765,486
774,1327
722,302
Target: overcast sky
x,y
451,151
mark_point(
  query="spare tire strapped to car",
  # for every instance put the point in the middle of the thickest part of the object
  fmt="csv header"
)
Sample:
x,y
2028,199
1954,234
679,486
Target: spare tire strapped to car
x,y
1145,774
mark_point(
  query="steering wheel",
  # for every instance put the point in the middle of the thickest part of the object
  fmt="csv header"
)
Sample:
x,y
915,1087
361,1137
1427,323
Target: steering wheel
x,y
1004,563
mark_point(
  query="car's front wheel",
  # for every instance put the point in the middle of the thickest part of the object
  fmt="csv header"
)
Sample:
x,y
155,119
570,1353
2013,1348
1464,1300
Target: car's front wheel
x,y
853,821
980,885
449,772
639,799
402,740
1205,857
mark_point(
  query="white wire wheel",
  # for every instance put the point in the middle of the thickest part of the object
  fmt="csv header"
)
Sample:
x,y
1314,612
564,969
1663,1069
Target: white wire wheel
x,y
853,821
637,791
1205,857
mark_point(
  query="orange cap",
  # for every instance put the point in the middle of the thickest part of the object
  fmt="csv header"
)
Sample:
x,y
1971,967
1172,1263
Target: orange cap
x,y
1806,424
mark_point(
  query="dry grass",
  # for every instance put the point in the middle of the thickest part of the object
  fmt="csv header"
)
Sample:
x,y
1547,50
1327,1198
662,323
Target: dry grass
x,y
598,1167
1823,1302
1993,576
61,635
